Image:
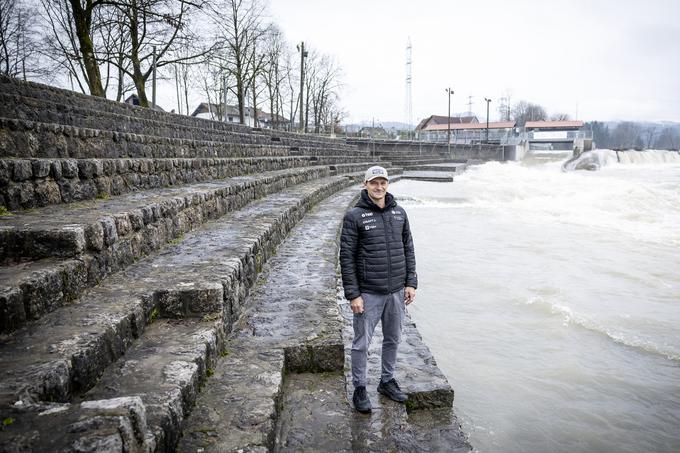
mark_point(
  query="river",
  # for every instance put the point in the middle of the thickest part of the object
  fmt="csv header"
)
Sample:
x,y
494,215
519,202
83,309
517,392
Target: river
x,y
551,300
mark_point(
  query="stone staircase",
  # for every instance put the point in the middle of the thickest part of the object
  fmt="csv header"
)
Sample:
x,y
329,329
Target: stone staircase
x,y
169,284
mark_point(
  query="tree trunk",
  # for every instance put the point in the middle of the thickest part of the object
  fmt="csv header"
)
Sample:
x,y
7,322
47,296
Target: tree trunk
x,y
83,22
137,75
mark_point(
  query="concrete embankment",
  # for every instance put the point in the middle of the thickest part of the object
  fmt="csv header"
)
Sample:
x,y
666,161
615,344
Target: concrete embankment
x,y
169,284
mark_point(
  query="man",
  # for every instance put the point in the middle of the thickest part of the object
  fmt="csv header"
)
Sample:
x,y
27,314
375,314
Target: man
x,y
379,277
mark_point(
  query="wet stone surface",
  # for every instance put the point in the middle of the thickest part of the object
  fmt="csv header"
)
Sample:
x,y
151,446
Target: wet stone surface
x,y
292,314
315,415
107,236
429,424
210,268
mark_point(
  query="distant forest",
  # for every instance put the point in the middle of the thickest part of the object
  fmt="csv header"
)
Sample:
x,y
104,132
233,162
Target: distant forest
x,y
635,135
609,134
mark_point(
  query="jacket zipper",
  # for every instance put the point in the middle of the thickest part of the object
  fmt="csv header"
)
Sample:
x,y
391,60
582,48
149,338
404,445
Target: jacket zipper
x,y
389,255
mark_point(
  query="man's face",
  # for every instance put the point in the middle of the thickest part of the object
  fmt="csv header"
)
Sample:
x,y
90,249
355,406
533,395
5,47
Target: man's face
x,y
377,188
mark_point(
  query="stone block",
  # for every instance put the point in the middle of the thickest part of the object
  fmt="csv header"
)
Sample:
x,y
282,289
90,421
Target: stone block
x,y
136,219
90,168
47,192
123,224
41,168
103,186
20,195
6,169
55,169
94,236
39,293
69,168
12,312
23,170
110,231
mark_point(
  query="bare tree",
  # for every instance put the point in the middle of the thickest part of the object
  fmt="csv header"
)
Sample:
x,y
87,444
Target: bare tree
x,y
524,111
291,83
649,135
239,24
112,34
325,86
273,74
156,28
669,138
18,43
625,136
559,117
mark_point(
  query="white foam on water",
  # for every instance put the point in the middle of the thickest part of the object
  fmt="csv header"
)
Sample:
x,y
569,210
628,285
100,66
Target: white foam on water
x,y
610,201
551,300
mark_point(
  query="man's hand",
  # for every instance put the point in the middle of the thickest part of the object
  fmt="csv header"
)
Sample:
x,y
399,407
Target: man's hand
x,y
409,295
357,305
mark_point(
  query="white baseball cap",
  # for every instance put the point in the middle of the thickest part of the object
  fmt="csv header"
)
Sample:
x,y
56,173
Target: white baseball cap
x,y
376,172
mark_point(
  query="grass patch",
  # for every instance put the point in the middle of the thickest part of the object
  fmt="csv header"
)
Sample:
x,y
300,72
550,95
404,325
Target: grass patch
x,y
177,240
6,422
210,372
211,317
224,353
4,211
155,313
102,196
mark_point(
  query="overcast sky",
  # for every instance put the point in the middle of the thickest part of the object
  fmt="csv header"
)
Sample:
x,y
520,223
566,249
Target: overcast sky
x,y
602,60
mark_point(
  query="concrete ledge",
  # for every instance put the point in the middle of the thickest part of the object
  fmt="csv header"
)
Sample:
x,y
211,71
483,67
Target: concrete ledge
x,y
238,408
37,182
110,235
417,370
118,424
431,176
27,139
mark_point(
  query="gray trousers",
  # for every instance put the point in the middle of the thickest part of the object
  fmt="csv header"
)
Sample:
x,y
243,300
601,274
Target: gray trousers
x,y
389,310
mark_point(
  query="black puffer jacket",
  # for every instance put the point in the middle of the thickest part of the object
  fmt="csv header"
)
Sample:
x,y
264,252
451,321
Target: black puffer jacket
x,y
376,249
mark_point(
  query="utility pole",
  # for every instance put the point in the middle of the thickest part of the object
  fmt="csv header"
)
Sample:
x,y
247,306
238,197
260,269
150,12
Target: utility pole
x,y
448,129
179,98
469,104
303,55
153,84
487,119
224,97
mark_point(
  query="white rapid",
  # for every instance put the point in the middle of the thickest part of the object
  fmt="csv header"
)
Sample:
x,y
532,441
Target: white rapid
x,y
551,300
594,160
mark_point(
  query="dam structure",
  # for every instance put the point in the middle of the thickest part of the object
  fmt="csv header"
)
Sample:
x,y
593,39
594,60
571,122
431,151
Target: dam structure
x,y
169,283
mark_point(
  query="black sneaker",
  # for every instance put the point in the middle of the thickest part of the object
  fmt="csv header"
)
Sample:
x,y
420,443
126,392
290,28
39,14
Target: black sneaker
x,y
391,390
361,401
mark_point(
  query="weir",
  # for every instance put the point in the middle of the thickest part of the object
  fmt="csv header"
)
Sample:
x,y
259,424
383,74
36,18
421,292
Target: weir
x,y
170,284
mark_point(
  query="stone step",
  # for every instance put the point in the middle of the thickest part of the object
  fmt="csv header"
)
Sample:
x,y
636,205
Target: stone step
x,y
115,425
444,167
165,369
431,176
417,371
292,325
314,415
78,104
37,182
207,276
409,163
25,139
105,236
427,421
46,111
